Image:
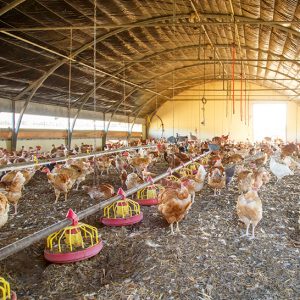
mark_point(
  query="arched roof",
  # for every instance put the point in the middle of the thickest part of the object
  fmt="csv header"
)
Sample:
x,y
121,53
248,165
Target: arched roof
x,y
143,49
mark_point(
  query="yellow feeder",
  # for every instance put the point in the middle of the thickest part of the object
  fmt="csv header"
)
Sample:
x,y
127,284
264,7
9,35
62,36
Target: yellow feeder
x,y
73,243
148,195
122,212
185,172
172,178
204,161
194,167
5,291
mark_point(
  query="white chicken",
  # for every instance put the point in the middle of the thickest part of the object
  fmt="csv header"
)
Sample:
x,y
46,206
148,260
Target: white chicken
x,y
279,170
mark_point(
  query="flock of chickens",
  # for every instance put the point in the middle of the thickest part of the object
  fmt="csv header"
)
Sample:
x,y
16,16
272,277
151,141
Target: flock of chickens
x,y
242,163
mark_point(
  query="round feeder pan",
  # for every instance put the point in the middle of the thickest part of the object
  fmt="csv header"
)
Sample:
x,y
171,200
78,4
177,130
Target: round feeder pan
x,y
69,257
147,202
122,221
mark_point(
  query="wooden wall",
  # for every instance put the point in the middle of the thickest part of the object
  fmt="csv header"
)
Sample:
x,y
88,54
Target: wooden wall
x,y
45,138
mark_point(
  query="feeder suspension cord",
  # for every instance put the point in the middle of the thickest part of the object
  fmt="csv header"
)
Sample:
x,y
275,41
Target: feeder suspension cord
x,y
43,233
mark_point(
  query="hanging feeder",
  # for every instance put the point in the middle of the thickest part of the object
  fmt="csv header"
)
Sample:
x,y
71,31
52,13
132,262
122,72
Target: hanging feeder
x,y
172,178
149,195
5,291
73,243
213,147
204,161
194,167
123,212
185,172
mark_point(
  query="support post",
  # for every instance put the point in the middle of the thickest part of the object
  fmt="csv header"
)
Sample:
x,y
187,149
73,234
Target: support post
x,y
13,145
70,131
104,139
104,132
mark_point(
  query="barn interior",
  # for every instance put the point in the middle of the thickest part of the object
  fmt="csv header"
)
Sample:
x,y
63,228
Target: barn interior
x,y
152,88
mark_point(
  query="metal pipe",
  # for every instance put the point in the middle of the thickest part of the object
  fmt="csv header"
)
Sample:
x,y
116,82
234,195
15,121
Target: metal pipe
x,y
43,233
223,60
10,6
158,24
21,166
224,99
72,59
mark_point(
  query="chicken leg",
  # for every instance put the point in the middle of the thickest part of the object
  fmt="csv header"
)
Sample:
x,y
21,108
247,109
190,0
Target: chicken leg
x,y
177,227
193,197
253,235
16,208
215,192
57,194
172,230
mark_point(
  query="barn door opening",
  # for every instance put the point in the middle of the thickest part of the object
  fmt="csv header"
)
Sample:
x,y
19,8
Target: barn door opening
x,y
269,120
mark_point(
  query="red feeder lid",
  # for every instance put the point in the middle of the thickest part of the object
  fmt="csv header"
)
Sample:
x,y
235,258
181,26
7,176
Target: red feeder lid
x,y
122,221
147,202
69,257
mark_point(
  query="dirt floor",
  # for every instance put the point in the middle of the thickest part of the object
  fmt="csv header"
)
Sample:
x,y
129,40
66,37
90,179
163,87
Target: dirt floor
x,y
208,260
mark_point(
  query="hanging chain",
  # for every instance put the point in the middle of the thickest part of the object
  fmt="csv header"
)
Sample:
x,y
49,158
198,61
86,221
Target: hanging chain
x,y
173,103
70,86
203,100
94,85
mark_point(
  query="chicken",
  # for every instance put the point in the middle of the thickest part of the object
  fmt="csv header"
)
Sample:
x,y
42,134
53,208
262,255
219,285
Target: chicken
x,y
161,148
259,162
84,168
123,177
104,164
101,192
27,173
249,210
120,163
289,150
279,170
260,177
234,158
75,172
133,180
182,156
217,179
13,189
140,163
172,160
245,181
229,174
174,205
4,208
61,182
146,174
195,182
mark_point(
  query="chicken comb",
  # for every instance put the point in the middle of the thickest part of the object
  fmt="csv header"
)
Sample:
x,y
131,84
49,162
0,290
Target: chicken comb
x,y
121,193
71,215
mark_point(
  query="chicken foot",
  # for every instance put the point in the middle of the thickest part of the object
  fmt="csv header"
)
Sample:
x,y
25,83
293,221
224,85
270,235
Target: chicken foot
x,y
16,209
172,228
